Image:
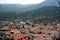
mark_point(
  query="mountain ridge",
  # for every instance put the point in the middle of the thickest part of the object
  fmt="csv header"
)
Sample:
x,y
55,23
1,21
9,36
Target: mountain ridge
x,y
24,8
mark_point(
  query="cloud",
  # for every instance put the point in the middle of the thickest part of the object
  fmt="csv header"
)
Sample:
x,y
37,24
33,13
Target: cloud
x,y
20,1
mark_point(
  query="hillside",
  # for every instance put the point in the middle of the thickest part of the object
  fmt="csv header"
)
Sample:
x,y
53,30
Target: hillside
x,y
49,9
8,16
47,12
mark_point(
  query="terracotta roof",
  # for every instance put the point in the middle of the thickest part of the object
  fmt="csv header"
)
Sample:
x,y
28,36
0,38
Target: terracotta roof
x,y
45,31
5,28
19,35
15,31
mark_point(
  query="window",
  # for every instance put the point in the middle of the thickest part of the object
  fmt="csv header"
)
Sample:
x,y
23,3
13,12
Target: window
x,y
12,32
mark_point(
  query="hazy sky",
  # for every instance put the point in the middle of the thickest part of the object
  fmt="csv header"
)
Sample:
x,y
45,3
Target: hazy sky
x,y
20,1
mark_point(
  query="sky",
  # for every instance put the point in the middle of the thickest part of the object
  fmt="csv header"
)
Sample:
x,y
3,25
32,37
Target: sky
x,y
20,1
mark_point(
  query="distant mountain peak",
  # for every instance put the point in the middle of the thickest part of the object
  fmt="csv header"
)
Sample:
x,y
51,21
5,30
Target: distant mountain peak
x,y
50,3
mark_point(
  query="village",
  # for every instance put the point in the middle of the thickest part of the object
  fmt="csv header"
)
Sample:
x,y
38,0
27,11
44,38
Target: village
x,y
27,30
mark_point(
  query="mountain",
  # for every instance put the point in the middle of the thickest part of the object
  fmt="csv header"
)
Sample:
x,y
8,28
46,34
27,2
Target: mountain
x,y
58,2
50,3
48,8
11,7
19,8
49,13
46,12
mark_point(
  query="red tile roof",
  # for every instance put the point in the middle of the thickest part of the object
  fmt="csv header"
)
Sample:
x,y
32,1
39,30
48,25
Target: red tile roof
x,y
19,35
5,28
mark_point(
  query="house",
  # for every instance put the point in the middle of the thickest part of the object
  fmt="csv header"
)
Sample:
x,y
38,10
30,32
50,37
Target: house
x,y
19,36
58,25
13,32
5,30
